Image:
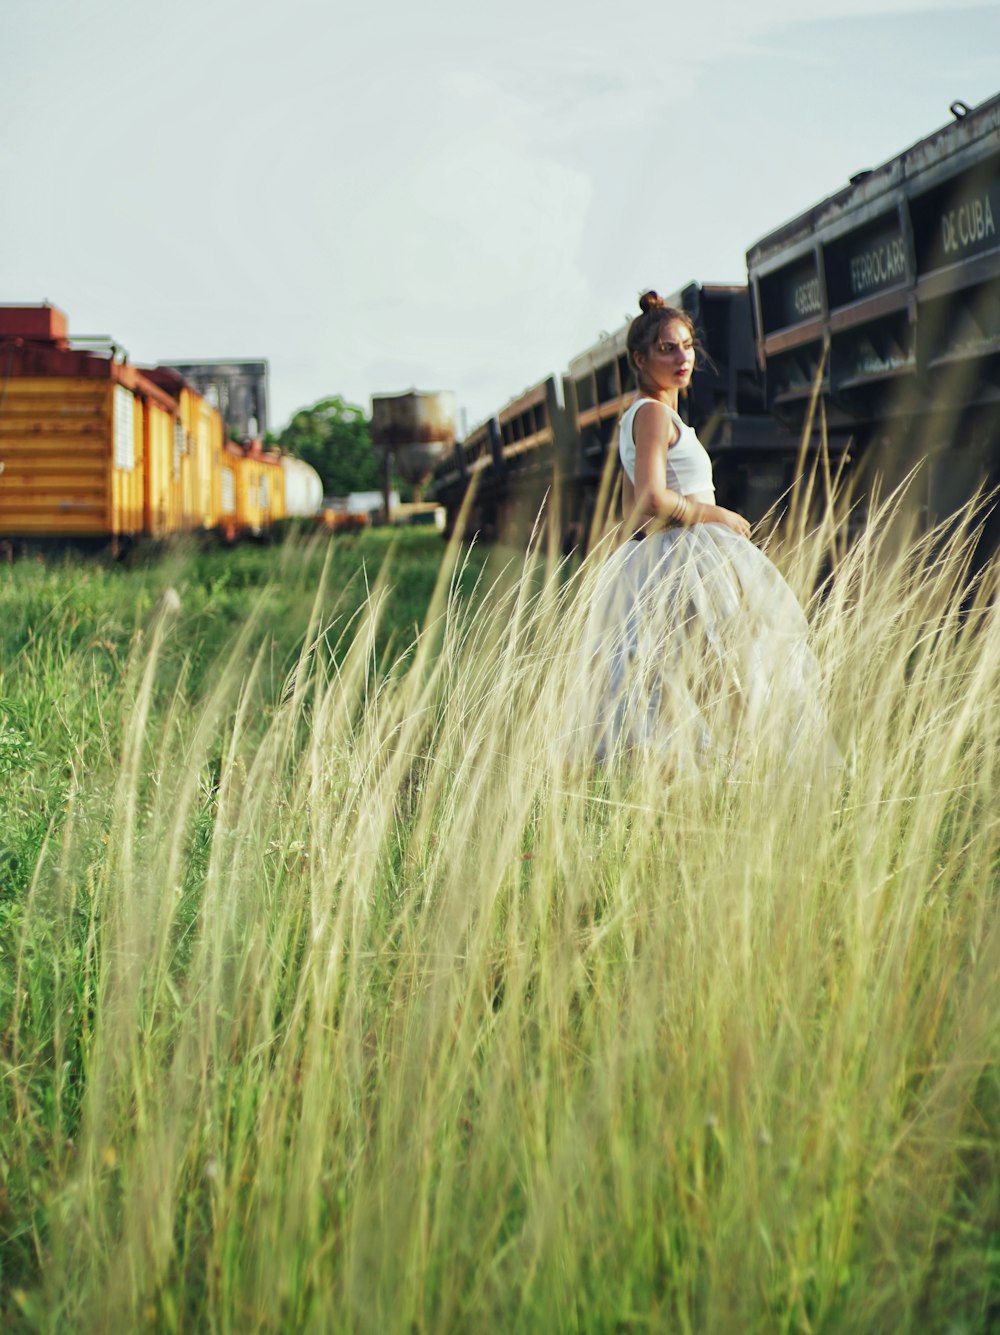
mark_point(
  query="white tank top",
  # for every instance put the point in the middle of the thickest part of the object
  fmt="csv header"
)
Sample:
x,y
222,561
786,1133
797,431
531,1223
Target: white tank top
x,y
689,469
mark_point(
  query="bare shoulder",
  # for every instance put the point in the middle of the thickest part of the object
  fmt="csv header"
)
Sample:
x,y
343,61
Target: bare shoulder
x,y
654,424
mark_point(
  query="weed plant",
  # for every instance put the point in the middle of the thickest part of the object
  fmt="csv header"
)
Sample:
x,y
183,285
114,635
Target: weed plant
x,y
353,1005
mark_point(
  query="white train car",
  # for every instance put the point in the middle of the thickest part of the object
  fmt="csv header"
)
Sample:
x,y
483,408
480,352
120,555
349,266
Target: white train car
x,y
303,488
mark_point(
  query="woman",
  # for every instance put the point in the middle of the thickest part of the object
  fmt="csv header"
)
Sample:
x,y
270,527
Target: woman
x,y
695,646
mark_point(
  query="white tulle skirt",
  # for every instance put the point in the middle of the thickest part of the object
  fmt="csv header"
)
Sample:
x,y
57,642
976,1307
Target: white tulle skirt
x,y
696,650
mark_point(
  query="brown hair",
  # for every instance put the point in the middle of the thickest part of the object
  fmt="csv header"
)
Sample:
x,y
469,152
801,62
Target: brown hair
x,y
645,328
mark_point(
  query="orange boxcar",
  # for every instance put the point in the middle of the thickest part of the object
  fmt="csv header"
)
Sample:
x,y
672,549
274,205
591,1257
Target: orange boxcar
x,y
72,443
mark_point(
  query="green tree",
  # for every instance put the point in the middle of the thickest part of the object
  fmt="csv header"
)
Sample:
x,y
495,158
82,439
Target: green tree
x,y
333,436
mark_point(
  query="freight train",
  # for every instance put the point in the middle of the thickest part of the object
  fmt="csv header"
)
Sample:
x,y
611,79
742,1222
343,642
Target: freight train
x,y
95,451
868,330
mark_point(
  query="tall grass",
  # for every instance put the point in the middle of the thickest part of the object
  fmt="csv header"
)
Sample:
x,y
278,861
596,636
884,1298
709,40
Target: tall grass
x,y
371,1013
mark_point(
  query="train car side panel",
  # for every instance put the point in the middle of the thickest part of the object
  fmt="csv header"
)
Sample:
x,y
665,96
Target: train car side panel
x,y
228,484
164,493
279,502
260,493
246,495
55,441
126,478
885,300
208,434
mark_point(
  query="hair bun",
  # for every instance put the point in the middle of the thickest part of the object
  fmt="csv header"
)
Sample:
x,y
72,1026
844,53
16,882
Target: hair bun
x,y
651,301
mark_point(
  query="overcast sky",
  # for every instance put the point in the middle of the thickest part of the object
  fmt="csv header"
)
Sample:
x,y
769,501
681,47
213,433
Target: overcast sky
x,y
462,197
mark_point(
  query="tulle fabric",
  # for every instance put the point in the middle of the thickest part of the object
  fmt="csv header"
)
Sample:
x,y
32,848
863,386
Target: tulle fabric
x,y
696,650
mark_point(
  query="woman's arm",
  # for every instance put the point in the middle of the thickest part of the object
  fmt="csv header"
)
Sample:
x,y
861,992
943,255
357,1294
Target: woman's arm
x,y
653,432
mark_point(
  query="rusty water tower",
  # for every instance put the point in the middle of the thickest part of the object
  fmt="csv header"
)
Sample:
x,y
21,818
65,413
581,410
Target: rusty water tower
x,y
412,432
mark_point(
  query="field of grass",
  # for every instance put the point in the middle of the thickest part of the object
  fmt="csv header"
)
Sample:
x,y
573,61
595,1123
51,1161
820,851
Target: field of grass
x,y
332,998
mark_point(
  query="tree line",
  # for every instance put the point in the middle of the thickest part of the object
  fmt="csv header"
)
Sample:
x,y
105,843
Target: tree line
x,y
334,437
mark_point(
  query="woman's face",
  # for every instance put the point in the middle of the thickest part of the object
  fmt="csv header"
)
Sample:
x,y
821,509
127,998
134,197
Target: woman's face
x,y
670,360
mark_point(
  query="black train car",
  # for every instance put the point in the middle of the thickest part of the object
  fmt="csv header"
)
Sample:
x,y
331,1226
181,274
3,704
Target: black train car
x,y
887,295
512,456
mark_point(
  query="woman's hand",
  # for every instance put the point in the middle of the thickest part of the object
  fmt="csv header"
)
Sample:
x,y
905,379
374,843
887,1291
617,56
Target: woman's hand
x,y
718,514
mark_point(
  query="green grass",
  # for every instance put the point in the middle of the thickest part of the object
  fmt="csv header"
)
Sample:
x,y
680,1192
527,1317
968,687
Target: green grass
x,y
335,998
70,630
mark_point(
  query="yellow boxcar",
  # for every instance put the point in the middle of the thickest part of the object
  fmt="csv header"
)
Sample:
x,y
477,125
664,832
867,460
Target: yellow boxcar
x,y
206,435
200,434
72,448
260,491
165,511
